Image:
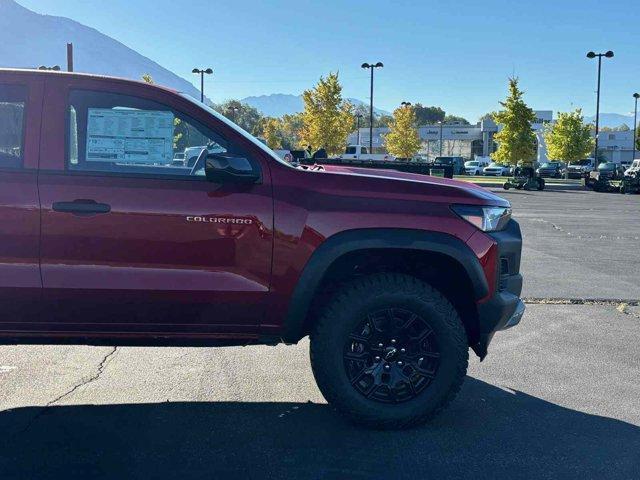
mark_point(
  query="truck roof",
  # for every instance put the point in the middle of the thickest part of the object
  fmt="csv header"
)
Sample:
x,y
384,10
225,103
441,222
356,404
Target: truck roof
x,y
36,72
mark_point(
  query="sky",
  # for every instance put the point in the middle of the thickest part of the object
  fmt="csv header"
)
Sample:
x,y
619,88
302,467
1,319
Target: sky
x,y
454,54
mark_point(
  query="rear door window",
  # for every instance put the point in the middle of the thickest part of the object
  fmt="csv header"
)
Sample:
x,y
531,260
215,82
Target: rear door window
x,y
12,118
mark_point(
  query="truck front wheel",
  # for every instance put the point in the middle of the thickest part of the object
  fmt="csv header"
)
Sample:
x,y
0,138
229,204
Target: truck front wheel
x,y
389,351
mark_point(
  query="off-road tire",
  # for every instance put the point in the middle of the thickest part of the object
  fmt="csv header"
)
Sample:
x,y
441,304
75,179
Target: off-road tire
x,y
541,184
347,309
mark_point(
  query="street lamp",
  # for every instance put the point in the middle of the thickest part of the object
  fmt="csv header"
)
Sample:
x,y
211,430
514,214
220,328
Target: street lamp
x,y
358,118
635,124
371,66
405,104
208,71
440,123
55,68
607,54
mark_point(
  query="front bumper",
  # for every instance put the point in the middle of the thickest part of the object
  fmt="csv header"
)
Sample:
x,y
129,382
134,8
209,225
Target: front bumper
x,y
505,308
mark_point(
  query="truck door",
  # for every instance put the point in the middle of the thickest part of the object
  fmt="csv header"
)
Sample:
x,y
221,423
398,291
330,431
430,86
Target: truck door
x,y
20,284
134,241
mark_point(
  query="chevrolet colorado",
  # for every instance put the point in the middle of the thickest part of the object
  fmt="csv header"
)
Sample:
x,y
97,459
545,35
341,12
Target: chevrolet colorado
x,y
104,239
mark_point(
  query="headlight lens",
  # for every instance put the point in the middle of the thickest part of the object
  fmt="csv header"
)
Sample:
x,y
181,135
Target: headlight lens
x,y
487,219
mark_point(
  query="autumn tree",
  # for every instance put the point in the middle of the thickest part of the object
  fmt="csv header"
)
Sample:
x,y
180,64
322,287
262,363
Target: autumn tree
x,y
403,139
327,119
271,131
516,140
568,139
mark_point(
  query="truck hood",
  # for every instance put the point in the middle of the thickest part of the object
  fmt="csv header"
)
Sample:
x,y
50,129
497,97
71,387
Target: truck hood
x,y
466,191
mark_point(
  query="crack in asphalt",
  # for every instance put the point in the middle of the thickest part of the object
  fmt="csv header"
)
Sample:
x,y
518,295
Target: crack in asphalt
x,y
582,236
101,366
93,378
614,302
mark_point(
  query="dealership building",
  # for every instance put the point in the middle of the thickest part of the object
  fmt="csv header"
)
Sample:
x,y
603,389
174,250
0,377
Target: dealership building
x,y
469,141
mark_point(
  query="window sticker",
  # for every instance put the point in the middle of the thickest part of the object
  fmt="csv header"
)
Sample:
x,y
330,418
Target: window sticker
x,y
129,136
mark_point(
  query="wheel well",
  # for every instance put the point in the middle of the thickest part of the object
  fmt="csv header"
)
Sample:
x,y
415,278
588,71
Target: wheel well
x,y
441,271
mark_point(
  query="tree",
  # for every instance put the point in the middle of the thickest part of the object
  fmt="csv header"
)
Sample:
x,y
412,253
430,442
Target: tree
x,y
428,115
242,114
453,119
147,78
378,120
516,140
568,139
403,139
291,126
487,116
327,119
271,132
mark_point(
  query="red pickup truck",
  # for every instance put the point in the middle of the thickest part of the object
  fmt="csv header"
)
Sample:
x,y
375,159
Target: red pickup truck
x,y
106,238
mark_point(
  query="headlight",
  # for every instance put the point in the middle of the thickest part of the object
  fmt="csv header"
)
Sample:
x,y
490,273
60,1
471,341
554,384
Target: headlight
x,y
487,219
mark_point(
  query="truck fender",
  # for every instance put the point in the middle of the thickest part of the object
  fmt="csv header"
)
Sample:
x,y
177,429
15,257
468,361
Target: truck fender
x,y
350,241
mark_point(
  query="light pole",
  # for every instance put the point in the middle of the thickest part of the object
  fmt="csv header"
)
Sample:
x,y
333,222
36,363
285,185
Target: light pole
x,y
405,104
440,123
607,54
635,124
358,117
201,71
371,66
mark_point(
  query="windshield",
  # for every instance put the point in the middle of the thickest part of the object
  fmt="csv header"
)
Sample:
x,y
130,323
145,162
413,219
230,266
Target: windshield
x,y
350,151
606,166
444,160
582,162
472,164
495,165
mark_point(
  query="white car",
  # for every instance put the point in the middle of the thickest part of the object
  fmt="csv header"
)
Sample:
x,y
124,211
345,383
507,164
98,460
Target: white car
x,y
497,170
635,166
473,167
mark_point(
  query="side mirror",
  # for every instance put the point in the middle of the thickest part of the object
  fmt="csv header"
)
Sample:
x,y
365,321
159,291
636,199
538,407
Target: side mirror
x,y
225,168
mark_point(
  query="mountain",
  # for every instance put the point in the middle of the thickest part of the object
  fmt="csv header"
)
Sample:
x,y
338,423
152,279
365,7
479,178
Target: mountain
x,y
611,120
278,104
29,39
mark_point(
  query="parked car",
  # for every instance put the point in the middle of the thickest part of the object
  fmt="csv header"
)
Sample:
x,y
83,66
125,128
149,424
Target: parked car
x,y
360,152
473,167
457,163
581,168
550,169
635,167
497,170
392,275
178,159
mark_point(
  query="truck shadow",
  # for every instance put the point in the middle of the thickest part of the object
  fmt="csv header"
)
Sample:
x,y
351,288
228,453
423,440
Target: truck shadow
x,y
488,432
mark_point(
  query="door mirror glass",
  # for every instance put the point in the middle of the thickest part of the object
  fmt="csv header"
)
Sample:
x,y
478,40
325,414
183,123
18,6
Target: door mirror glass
x,y
226,168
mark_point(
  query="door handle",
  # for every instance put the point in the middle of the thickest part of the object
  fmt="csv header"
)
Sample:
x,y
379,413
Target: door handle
x,y
82,207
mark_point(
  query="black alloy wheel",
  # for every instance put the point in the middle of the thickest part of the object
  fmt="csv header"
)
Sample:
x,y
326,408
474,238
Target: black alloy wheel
x,y
391,356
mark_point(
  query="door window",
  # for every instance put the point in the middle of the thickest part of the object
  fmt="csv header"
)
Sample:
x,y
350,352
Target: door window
x,y
12,115
114,133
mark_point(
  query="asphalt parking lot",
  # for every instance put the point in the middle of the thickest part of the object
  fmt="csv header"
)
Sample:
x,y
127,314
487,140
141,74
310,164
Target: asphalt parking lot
x,y
557,397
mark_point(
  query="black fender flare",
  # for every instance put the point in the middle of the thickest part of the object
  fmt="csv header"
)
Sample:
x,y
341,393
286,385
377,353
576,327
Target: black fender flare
x,y
375,238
